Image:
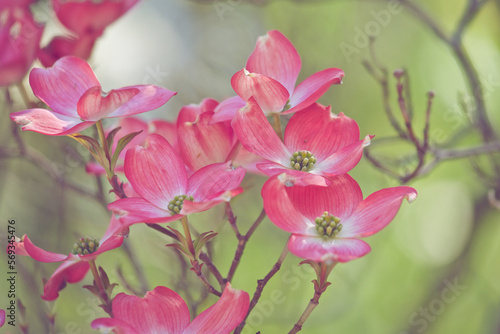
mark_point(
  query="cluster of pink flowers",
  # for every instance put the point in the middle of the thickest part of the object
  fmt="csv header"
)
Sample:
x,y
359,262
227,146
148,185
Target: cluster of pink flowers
x,y
20,34
199,161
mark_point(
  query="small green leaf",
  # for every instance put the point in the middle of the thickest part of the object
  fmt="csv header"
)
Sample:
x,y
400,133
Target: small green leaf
x,y
111,137
94,148
120,146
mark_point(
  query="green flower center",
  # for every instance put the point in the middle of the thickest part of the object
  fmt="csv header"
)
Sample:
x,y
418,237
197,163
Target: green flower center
x,y
328,226
302,160
175,205
85,246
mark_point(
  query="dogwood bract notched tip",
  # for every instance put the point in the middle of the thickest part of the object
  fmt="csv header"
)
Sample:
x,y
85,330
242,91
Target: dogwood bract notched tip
x,y
74,267
327,222
73,92
158,176
316,144
271,73
164,311
19,39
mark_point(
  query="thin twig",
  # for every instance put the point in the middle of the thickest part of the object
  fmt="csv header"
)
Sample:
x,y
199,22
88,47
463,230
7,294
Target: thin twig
x,y
242,241
213,269
261,284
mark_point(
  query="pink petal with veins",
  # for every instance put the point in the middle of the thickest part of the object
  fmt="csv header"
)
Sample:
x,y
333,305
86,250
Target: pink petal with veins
x,y
48,123
376,211
268,93
311,89
155,171
316,249
257,135
320,132
67,272
276,57
201,143
62,85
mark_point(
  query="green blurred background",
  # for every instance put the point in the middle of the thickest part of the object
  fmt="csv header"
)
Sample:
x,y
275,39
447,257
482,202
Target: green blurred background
x,y
448,236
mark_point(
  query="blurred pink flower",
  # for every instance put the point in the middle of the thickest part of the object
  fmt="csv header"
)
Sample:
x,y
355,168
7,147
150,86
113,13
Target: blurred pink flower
x,y
316,144
327,222
90,16
61,46
74,267
19,39
164,311
86,20
75,95
2,317
166,192
271,73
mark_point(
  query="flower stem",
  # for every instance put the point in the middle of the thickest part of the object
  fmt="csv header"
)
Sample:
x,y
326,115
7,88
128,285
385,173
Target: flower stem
x,y
323,270
242,241
277,125
24,94
102,137
310,307
261,285
102,292
189,240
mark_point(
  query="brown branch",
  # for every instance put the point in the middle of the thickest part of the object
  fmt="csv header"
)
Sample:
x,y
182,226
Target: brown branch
x,y
213,269
455,43
261,284
242,241
196,267
310,307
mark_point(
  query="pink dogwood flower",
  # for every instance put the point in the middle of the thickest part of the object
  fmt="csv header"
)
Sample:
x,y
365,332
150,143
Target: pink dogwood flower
x,y
203,140
327,222
316,144
19,39
2,317
75,95
74,266
166,192
271,73
164,311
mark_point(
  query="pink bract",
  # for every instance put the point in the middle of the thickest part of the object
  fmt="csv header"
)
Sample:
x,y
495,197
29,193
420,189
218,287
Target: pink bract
x,y
203,141
333,140
296,209
61,46
89,16
75,95
19,39
271,73
164,311
74,267
158,175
